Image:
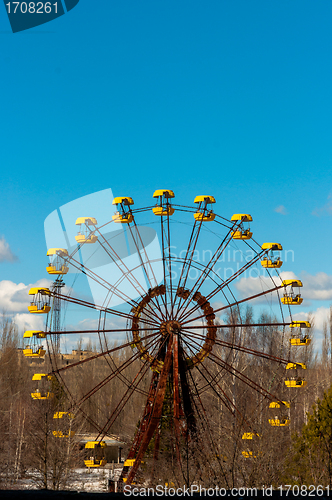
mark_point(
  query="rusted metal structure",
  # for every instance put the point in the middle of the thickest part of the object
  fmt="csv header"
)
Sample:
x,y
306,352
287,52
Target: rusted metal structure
x,y
171,311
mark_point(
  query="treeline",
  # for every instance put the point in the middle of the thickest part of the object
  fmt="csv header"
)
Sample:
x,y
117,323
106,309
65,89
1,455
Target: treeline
x,y
233,398
34,444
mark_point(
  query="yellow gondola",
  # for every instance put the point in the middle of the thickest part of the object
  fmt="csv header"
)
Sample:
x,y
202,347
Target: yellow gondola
x,y
31,352
295,383
130,462
296,380
34,350
249,453
279,404
296,366
62,419
305,340
85,235
41,302
163,206
292,298
297,337
280,419
34,333
122,215
279,422
203,213
57,263
242,233
97,454
60,434
43,386
270,260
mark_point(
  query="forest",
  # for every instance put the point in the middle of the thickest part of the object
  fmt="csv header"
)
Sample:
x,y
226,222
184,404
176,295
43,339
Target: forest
x,y
236,443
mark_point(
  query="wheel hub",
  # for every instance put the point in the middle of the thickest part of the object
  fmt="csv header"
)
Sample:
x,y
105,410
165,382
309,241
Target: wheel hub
x,y
170,327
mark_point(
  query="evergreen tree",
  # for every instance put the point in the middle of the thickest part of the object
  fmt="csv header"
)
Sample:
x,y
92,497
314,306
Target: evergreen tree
x,y
310,457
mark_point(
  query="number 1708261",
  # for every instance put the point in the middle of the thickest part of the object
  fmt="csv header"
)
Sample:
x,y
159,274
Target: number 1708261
x,y
32,7
304,491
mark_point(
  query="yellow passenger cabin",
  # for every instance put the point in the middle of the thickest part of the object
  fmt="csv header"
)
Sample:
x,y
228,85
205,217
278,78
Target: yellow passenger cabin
x,y
296,366
296,379
34,352
61,434
204,212
34,333
43,386
249,452
58,260
63,414
291,297
295,383
300,341
281,410
298,337
123,215
248,435
41,301
34,349
163,206
279,404
271,263
279,422
95,452
243,229
85,233
291,300
271,260
130,462
62,421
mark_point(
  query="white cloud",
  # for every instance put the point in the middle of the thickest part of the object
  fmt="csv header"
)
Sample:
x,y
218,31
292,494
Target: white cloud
x,y
325,209
280,209
27,321
6,255
255,285
316,287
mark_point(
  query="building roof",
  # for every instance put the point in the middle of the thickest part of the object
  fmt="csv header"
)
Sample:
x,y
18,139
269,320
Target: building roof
x,y
108,440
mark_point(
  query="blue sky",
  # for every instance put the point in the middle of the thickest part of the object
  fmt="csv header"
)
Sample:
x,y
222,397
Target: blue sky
x,y
229,98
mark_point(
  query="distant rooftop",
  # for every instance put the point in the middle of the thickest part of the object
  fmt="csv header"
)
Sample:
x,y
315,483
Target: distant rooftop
x,y
108,440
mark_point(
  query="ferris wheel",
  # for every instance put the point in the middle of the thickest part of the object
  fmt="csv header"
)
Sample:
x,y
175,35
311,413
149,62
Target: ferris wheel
x,y
174,338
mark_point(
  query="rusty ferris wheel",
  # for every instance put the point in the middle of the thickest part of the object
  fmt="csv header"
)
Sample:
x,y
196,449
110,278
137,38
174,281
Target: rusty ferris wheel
x,y
170,308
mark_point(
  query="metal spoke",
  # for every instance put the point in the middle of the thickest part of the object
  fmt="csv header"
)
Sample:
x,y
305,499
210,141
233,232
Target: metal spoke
x,y
147,260
237,347
237,303
110,377
95,356
108,310
208,268
223,285
124,400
